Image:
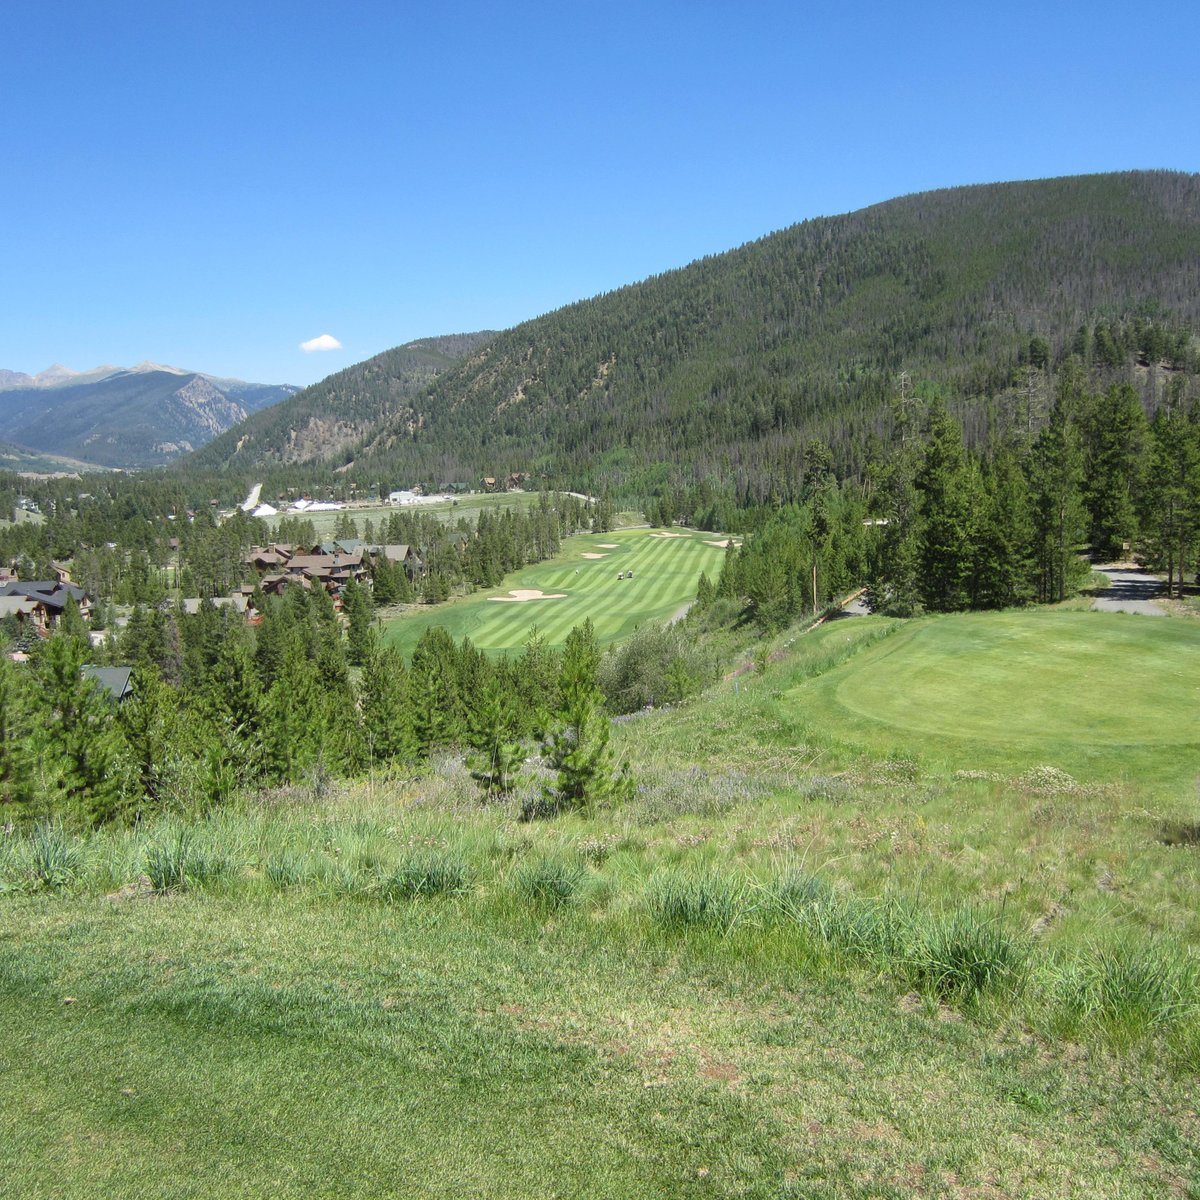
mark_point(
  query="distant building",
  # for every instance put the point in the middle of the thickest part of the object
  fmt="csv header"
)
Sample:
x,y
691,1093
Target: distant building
x,y
49,597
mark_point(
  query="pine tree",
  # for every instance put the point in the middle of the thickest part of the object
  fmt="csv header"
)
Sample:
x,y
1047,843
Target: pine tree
x,y
16,727
386,709
1114,440
948,485
1170,500
578,750
1004,571
896,578
81,754
360,636
1060,518
494,738
156,734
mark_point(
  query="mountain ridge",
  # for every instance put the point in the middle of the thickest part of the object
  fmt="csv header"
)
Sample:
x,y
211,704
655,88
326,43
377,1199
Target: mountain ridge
x,y
130,417
725,368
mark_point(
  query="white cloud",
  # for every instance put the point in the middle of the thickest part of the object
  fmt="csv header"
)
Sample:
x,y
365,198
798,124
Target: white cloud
x,y
325,342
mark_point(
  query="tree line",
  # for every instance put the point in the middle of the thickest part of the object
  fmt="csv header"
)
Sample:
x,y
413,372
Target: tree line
x,y
220,708
940,526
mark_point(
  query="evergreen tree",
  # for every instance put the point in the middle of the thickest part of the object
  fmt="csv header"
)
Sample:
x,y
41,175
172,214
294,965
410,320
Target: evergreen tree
x,y
81,767
386,708
896,586
1170,501
439,711
1004,569
156,735
1059,515
16,727
494,739
1113,427
948,486
578,750
360,636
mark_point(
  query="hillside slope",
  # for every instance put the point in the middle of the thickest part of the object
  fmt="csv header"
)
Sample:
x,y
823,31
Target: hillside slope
x,y
322,421
725,368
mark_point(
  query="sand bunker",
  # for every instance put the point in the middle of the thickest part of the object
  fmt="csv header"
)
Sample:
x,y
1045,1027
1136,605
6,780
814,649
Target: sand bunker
x,y
721,545
524,595
658,534
587,555
608,545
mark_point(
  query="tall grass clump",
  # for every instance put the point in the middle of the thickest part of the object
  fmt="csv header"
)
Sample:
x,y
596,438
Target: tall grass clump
x,y
711,901
1129,990
424,874
286,869
794,892
54,857
961,955
167,861
955,956
14,862
550,881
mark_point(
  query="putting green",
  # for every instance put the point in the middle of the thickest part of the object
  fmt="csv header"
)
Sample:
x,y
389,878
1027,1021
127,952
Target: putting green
x,y
1090,691
579,584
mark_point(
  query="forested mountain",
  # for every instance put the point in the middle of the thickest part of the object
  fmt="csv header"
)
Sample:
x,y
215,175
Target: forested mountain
x,y
320,423
117,417
724,369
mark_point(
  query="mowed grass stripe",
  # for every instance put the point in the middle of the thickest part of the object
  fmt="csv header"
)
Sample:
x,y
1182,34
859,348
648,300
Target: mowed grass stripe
x,y
665,572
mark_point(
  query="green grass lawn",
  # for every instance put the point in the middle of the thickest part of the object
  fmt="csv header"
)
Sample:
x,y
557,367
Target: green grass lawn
x,y
1104,696
468,505
1067,797
290,1033
665,572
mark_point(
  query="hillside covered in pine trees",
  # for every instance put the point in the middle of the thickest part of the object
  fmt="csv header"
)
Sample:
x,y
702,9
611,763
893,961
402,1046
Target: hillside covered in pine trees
x,y
725,369
319,423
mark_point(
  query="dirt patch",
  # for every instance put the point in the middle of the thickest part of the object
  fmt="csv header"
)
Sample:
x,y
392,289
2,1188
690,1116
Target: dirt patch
x,y
720,1072
524,595
586,555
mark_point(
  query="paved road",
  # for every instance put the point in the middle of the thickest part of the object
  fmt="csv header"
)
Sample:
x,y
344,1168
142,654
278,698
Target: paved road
x,y
1129,591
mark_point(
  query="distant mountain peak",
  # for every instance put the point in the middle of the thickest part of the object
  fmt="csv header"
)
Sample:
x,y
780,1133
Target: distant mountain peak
x,y
145,366
54,374
124,416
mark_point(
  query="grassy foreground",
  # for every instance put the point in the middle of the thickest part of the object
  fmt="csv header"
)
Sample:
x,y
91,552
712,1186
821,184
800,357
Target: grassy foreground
x,y
380,1001
827,950
665,563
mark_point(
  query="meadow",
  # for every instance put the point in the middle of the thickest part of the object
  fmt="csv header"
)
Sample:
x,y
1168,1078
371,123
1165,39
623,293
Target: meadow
x,y
826,950
666,565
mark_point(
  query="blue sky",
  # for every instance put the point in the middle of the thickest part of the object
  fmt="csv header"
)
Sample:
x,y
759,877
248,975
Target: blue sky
x,y
211,184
